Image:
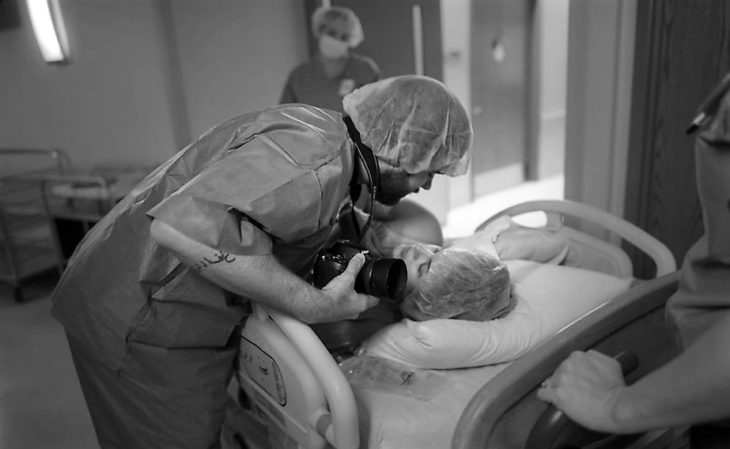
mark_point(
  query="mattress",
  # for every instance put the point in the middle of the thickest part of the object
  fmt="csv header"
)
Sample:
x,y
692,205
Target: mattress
x,y
405,420
413,380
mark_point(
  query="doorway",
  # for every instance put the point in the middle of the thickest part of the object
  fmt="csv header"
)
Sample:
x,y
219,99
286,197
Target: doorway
x,y
500,88
518,89
506,61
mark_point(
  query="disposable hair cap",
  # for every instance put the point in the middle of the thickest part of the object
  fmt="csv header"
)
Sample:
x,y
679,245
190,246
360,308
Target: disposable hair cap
x,y
461,283
413,122
340,18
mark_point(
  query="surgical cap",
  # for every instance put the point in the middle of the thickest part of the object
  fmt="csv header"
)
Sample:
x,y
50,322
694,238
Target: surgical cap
x,y
340,18
461,283
413,122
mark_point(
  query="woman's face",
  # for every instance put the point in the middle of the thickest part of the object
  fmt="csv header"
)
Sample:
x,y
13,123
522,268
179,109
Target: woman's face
x,y
418,259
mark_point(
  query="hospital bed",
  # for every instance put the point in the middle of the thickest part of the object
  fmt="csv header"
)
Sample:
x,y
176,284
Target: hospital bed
x,y
304,396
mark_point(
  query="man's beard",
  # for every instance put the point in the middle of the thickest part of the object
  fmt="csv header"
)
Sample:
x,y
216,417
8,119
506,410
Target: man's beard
x,y
393,187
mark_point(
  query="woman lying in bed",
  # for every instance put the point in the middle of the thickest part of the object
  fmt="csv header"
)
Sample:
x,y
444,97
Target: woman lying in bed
x,y
465,280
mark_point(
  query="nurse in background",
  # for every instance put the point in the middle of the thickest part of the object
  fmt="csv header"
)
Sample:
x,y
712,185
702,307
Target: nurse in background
x,y
334,71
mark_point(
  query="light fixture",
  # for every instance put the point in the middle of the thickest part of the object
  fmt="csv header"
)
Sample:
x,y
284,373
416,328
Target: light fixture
x,y
45,15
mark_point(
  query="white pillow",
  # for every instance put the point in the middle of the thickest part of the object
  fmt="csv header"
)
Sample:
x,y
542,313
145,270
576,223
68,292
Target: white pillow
x,y
548,298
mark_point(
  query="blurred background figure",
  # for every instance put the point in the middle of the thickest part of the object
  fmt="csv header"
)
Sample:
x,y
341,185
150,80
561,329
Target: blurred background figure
x,y
334,71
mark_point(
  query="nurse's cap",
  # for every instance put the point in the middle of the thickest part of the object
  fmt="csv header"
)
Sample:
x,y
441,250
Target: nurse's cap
x,y
413,122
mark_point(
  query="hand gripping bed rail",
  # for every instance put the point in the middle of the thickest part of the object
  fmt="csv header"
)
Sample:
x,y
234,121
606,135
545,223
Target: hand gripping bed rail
x,y
508,401
554,427
340,426
641,239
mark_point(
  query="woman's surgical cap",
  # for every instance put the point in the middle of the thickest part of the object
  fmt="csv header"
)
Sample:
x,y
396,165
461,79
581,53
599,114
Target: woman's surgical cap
x,y
412,122
461,283
341,19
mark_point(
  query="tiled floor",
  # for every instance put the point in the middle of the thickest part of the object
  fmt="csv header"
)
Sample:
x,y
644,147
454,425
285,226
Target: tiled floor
x,y
41,404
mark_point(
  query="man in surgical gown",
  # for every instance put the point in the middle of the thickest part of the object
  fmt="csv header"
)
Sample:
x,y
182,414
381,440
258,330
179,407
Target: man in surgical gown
x,y
153,299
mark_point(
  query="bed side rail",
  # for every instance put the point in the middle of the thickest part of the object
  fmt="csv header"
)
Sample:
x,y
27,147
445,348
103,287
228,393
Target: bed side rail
x,y
323,406
502,413
342,433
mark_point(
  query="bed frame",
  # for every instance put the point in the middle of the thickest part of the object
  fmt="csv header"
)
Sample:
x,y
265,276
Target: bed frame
x,y
506,413
295,384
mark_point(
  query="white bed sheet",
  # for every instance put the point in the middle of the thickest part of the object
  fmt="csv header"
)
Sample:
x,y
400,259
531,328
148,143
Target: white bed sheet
x,y
394,421
549,298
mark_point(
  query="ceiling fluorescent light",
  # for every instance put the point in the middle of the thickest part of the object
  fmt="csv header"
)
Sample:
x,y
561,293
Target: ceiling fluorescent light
x,y
48,27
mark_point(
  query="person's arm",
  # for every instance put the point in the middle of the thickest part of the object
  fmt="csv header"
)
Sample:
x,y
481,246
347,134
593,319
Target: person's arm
x,y
263,278
693,388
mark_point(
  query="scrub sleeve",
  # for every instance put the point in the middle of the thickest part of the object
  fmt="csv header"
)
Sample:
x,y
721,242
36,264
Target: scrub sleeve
x,y
228,208
309,84
703,296
171,384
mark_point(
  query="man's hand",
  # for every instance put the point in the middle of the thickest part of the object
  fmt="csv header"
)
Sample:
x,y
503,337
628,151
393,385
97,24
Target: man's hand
x,y
346,303
587,387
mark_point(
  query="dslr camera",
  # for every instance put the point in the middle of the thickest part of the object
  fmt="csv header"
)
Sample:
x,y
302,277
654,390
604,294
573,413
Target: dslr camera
x,y
381,277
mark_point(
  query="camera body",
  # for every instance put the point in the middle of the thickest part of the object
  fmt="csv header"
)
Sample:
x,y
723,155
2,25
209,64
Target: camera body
x,y
381,277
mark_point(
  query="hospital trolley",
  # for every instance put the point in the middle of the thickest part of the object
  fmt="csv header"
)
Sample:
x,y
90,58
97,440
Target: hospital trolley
x,y
26,237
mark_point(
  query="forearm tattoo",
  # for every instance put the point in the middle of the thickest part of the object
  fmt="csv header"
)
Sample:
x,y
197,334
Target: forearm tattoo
x,y
220,256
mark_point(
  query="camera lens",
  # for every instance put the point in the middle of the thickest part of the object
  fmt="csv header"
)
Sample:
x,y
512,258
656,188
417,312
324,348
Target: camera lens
x,y
383,278
378,277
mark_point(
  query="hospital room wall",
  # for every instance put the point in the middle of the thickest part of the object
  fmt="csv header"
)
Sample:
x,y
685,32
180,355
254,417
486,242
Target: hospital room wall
x,y
144,76
107,104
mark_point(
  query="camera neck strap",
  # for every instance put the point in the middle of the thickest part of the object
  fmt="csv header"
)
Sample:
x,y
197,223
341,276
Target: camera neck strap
x,y
365,159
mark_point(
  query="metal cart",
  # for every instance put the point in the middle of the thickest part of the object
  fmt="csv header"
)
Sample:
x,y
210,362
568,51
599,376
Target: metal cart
x,y
26,238
74,202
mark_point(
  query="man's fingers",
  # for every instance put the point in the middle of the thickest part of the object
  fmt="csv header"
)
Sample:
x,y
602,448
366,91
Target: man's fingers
x,y
354,266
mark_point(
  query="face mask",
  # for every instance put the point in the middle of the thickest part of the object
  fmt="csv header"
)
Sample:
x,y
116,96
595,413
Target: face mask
x,y
332,48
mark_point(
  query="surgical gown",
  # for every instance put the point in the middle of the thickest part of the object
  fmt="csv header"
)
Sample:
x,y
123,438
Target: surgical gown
x,y
154,343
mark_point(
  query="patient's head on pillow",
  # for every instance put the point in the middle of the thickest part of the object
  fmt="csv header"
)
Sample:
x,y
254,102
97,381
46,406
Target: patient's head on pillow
x,y
453,282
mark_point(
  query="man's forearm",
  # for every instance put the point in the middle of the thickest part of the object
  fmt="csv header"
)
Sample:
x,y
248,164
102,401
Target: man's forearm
x,y
261,278
692,388
264,279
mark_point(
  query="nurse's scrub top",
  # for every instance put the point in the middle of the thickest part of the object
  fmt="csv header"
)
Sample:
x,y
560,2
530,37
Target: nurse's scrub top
x,y
308,83
283,171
